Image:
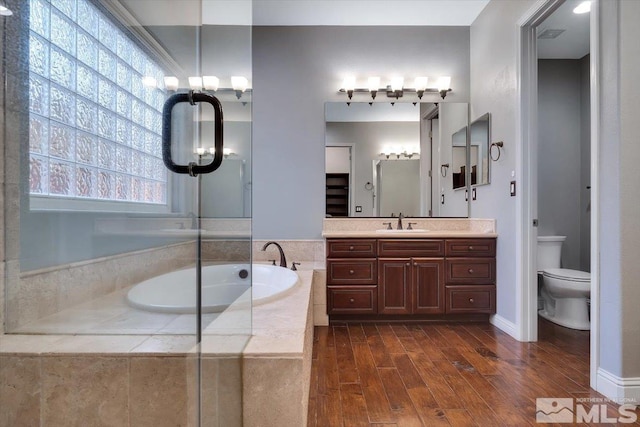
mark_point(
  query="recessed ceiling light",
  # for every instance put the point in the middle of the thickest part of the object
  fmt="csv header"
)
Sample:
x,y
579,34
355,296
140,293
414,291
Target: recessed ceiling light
x,y
583,7
550,33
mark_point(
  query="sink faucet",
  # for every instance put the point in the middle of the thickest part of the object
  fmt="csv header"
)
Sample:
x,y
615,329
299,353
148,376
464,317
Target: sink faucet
x,y
283,259
399,227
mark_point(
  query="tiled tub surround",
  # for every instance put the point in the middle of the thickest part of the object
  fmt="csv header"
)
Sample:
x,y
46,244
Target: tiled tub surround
x,y
143,380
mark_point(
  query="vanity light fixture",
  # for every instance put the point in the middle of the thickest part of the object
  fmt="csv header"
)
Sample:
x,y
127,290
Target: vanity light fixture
x,y
584,7
239,84
395,88
443,169
421,85
374,85
444,85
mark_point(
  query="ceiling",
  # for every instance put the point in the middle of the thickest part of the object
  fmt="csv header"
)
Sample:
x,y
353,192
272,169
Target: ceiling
x,y
306,12
573,43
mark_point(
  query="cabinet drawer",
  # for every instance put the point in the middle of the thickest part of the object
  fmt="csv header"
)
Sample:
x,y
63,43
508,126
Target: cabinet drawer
x,y
471,299
470,247
360,248
476,271
347,300
352,272
410,248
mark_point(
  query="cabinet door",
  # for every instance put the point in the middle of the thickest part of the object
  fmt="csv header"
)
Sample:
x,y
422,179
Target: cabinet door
x,y
394,286
428,286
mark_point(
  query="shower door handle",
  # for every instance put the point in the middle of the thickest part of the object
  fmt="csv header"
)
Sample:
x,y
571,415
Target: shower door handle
x,y
193,168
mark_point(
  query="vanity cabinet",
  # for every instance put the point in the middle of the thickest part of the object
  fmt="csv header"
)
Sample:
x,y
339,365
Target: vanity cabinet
x,y
410,277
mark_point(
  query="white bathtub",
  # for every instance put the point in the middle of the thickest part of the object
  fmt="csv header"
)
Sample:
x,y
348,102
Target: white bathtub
x,y
221,285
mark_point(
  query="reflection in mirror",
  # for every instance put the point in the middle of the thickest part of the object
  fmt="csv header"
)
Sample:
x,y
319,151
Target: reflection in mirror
x,y
480,137
459,157
388,154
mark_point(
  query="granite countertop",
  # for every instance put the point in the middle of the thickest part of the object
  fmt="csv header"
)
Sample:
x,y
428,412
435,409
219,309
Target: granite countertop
x,y
383,234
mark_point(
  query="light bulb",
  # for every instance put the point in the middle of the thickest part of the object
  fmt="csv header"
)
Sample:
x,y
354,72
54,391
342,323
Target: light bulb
x,y
374,84
397,83
239,83
171,83
195,83
349,83
4,11
200,151
583,7
210,82
444,83
421,83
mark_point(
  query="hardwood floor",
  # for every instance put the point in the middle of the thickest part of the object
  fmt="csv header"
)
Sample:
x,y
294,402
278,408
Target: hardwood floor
x,y
383,375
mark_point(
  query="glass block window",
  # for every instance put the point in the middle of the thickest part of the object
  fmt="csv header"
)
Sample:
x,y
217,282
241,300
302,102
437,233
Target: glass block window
x,y
94,128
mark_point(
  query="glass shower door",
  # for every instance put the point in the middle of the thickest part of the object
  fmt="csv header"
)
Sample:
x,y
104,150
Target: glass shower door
x,y
102,239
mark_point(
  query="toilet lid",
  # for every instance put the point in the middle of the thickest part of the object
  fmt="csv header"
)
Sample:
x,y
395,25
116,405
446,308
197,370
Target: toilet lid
x,y
565,273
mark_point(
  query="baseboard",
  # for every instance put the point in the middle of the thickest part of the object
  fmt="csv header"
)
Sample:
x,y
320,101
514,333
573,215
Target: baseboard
x,y
622,390
504,325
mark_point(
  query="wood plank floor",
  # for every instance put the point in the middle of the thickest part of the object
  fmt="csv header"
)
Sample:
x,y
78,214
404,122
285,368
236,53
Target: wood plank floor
x,y
383,375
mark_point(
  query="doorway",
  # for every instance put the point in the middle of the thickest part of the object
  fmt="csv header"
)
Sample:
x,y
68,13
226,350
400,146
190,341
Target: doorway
x,y
529,161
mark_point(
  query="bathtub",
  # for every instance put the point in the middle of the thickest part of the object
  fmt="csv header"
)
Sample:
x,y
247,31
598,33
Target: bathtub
x,y
221,285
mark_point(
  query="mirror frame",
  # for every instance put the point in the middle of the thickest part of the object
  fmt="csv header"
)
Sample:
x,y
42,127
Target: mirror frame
x,y
485,118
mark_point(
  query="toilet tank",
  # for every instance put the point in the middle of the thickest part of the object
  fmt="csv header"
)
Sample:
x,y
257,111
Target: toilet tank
x,y
549,251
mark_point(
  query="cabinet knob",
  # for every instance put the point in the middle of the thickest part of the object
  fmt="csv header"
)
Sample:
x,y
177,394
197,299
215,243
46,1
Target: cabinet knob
x,y
408,264
351,271
471,300
470,248
351,300
351,248
471,271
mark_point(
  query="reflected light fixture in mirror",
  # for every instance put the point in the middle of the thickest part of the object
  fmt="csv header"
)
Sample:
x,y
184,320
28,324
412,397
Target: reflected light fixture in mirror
x,y
210,82
421,85
444,85
584,7
239,84
374,85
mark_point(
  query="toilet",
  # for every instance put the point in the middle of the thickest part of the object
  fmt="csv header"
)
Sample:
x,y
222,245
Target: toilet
x,y
564,292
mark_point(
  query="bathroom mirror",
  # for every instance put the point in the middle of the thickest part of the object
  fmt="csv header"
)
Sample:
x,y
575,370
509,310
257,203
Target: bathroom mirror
x,y
459,158
383,159
480,137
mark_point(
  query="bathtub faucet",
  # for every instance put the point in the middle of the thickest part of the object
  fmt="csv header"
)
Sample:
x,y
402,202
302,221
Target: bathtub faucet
x,y
283,259
194,220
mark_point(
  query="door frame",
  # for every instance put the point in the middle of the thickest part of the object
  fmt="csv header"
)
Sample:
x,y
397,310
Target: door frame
x,y
526,164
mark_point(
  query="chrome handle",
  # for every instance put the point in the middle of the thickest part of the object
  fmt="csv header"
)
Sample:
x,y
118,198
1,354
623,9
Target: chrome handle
x,y
470,248
351,300
351,271
351,248
471,271
273,261
408,264
471,300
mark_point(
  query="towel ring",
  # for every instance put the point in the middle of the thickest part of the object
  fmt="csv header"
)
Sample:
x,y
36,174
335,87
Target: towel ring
x,y
443,169
499,145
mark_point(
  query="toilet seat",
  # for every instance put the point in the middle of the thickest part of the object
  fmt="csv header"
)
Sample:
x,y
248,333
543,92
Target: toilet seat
x,y
567,274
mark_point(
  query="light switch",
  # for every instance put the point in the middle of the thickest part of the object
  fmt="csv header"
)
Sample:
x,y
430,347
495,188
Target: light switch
x,y
358,208
512,188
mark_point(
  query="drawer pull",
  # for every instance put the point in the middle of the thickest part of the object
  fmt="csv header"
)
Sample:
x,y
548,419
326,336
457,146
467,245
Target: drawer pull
x,y
471,271
408,264
470,248
351,248
471,300
351,271
352,300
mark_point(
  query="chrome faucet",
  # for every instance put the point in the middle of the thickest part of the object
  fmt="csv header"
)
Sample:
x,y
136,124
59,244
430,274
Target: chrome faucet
x,y
283,259
399,227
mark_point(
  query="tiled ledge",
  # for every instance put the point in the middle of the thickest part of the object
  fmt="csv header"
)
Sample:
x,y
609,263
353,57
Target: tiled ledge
x,y
278,330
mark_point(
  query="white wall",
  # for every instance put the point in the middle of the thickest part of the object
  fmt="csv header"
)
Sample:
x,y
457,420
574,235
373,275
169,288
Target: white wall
x,y
295,71
453,117
494,90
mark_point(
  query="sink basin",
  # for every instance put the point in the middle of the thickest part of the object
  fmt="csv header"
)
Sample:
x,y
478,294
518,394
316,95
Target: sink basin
x,y
415,230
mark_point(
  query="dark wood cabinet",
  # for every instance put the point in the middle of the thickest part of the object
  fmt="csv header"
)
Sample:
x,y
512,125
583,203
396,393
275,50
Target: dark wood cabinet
x,y
410,277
